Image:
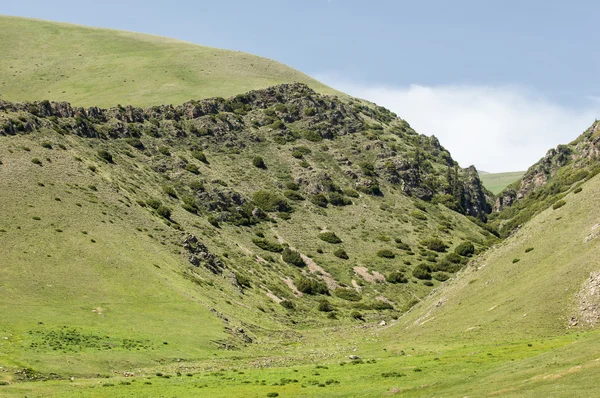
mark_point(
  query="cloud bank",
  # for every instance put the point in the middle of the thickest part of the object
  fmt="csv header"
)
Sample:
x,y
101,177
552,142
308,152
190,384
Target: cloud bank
x,y
497,129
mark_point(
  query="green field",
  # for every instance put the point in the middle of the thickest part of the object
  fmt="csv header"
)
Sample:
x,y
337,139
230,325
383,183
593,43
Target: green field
x,y
496,182
102,67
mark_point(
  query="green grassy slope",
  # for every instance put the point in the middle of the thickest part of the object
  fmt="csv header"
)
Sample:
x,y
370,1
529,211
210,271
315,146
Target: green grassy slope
x,y
101,67
500,299
496,182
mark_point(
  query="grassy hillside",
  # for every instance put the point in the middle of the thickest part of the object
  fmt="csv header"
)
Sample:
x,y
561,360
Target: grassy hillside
x,y
101,67
496,182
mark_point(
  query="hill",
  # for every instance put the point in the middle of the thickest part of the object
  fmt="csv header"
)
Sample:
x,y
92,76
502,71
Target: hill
x,y
496,182
101,67
231,221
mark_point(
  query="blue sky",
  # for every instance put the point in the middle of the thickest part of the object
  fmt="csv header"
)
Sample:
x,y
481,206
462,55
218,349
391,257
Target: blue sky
x,y
499,82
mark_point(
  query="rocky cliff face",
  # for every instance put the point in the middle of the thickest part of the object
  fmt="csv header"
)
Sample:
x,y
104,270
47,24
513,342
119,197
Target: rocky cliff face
x,y
578,155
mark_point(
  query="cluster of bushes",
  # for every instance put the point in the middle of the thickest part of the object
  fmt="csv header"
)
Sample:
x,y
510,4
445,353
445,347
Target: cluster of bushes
x,y
435,244
347,294
293,257
396,277
311,286
268,245
386,253
268,201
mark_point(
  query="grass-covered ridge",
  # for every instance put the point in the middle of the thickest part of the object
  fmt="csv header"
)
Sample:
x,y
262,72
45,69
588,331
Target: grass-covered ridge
x,y
44,60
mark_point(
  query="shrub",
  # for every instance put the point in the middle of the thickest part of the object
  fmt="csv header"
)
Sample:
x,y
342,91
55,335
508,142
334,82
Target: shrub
x,y
351,193
310,111
105,155
453,258
197,185
46,145
528,249
319,200
357,315
292,186
341,253
293,257
419,215
135,142
325,306
169,190
164,150
292,195
272,394
396,277
386,253
287,304
516,260
36,161
259,162
435,244
310,286
422,271
277,125
199,155
212,220
465,249
313,136
347,294
154,203
329,237
441,276
192,168
337,199
577,190
367,168
428,283
558,204
269,201
268,245
164,212
381,305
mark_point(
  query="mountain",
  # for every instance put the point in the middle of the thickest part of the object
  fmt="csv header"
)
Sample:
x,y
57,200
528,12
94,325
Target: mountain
x,y
44,60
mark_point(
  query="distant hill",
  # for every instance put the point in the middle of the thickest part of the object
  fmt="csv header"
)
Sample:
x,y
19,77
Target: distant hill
x,y
496,182
101,67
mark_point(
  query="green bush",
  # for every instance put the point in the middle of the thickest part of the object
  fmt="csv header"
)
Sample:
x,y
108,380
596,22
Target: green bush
x,y
396,277
287,304
386,253
105,155
465,249
337,199
419,215
441,276
46,145
516,260
367,168
272,394
36,161
558,204
269,201
325,306
292,186
319,200
135,142
199,155
164,150
310,286
453,258
154,203
293,257
196,185
347,294
381,305
422,271
310,111
357,315
192,168
268,245
292,195
341,253
169,190
313,136
329,237
351,193
435,244
259,162
577,190
528,249
212,220
164,212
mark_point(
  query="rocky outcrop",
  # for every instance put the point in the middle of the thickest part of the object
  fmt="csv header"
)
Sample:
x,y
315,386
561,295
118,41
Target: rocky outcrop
x,y
199,255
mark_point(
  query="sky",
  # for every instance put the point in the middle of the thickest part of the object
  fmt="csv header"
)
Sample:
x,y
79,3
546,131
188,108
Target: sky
x,y
498,82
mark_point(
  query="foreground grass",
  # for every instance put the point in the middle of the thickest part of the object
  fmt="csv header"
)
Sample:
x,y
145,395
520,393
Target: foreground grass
x,y
562,366
496,182
101,67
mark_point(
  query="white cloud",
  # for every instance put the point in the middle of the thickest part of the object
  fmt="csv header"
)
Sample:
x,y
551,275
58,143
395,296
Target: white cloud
x,y
495,128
